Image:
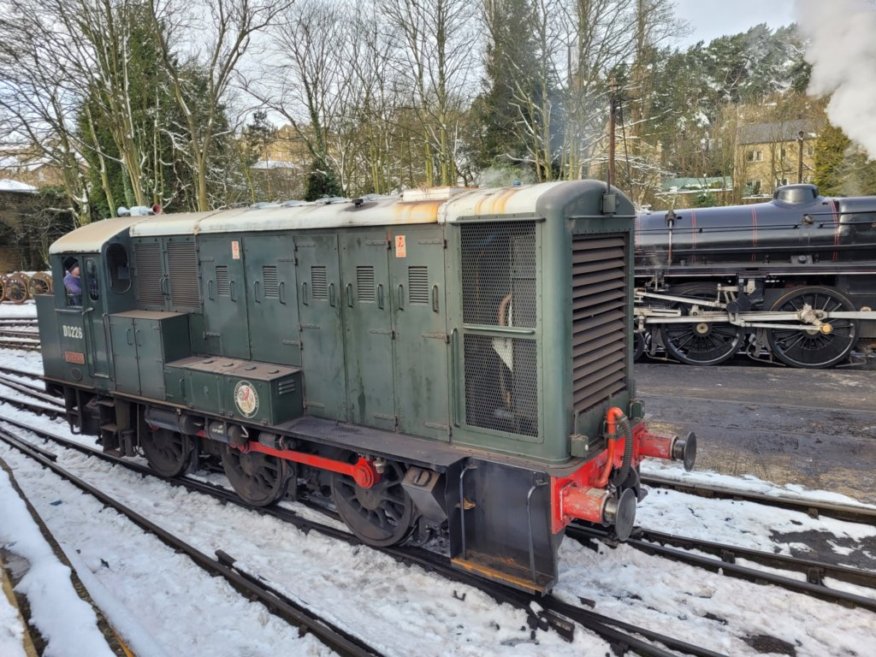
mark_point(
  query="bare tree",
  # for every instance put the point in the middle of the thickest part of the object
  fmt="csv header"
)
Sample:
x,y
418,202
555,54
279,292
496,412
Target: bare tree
x,y
226,29
436,39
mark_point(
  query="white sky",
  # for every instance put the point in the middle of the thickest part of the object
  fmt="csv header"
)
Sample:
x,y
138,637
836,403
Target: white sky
x,y
709,19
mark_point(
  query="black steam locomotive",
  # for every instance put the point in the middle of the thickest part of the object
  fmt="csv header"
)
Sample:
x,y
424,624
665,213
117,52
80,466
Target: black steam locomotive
x,y
792,280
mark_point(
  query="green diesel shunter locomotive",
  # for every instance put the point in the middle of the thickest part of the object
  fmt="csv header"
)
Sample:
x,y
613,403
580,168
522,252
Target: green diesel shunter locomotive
x,y
452,360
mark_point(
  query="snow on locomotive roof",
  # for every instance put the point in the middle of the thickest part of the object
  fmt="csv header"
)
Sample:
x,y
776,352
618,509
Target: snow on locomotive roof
x,y
91,237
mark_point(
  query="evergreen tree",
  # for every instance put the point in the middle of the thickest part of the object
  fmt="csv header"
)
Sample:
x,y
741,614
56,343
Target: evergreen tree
x,y
509,68
322,182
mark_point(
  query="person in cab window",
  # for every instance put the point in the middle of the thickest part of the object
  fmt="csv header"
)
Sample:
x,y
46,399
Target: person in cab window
x,y
73,285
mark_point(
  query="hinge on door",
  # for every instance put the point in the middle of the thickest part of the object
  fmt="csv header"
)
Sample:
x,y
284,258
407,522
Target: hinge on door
x,y
445,244
389,245
392,334
446,338
396,423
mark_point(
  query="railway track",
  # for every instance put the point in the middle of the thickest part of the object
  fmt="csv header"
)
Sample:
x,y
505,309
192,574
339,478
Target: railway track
x,y
812,508
678,548
19,343
251,587
544,612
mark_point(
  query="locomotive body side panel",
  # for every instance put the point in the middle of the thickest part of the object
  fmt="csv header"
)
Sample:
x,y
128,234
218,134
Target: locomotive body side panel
x,y
319,307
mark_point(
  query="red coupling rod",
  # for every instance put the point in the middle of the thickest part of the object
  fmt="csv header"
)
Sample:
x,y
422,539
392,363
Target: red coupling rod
x,y
362,471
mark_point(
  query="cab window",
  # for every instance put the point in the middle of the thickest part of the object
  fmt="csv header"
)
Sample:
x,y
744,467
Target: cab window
x,y
72,283
92,279
117,264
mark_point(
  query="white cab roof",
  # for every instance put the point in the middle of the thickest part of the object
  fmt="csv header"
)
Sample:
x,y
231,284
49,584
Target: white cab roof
x,y
91,237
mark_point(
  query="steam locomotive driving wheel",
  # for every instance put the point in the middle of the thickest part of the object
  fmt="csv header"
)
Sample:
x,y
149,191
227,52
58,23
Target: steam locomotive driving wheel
x,y
700,343
820,346
381,515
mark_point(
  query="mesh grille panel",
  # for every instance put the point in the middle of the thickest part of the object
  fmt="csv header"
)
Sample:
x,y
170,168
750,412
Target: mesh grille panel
x,y
318,282
223,283
147,260
498,274
418,284
501,384
271,282
182,265
599,319
365,283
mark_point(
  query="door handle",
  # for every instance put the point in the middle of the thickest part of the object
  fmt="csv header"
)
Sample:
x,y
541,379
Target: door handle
x,y
255,291
210,289
350,295
401,296
232,288
435,298
380,296
304,299
454,383
332,295
283,293
129,336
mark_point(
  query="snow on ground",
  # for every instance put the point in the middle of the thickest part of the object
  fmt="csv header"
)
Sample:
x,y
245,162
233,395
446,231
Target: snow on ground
x,y
63,617
11,630
164,596
26,310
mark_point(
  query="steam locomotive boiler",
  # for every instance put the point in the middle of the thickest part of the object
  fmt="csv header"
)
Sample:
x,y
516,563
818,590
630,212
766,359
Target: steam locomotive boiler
x,y
454,362
793,280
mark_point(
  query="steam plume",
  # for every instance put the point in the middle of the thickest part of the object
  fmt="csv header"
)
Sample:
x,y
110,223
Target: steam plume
x,y
842,52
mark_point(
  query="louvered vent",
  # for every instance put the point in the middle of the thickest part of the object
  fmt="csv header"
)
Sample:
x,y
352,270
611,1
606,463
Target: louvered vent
x,y
599,319
319,282
418,284
223,284
182,265
147,262
365,283
271,282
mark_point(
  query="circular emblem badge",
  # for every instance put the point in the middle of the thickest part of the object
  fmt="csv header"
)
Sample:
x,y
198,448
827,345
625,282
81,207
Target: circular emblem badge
x,y
246,398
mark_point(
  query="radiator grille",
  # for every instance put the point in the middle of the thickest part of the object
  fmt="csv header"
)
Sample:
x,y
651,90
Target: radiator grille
x,y
223,283
147,261
271,282
600,326
418,284
365,283
318,282
501,385
182,266
498,274
499,290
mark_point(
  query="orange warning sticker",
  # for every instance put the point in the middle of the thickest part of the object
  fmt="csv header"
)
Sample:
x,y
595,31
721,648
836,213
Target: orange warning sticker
x,y
235,249
401,249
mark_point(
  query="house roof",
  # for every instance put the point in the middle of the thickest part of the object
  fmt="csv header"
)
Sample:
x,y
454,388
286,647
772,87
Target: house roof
x,y
767,133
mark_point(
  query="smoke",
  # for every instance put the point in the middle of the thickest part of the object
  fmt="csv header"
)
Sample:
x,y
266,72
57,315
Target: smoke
x,y
842,52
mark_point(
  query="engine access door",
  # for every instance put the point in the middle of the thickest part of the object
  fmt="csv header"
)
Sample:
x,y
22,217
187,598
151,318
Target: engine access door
x,y
421,340
270,298
224,294
322,336
368,343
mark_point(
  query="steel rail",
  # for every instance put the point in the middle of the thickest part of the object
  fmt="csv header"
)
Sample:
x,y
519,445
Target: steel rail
x,y
727,566
813,508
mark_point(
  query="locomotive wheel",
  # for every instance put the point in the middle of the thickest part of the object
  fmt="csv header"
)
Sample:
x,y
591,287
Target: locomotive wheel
x,y
168,452
259,479
639,340
40,283
15,289
381,515
816,347
705,343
